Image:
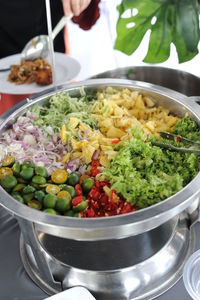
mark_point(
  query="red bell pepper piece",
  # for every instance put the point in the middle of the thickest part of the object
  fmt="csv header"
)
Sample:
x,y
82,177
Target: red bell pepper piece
x,y
78,189
77,200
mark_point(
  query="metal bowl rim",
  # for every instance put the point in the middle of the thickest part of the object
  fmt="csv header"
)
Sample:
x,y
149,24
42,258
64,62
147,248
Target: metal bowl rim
x,y
140,216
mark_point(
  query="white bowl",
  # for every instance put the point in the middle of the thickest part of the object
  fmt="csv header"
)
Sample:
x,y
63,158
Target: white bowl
x,y
191,275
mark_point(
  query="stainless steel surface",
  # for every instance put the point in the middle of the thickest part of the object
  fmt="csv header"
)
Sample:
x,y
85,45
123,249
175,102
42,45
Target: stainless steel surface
x,y
176,80
39,45
118,226
140,267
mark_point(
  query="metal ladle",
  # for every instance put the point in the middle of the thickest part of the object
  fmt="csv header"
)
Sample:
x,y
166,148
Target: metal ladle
x,y
39,45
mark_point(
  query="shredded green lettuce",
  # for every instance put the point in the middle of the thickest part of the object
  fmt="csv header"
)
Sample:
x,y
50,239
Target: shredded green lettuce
x,y
145,174
187,128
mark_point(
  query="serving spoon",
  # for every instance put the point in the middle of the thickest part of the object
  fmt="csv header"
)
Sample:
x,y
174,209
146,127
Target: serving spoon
x,y
39,45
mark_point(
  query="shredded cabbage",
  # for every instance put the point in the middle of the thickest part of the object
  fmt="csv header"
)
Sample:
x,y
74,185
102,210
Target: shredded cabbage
x,y
61,107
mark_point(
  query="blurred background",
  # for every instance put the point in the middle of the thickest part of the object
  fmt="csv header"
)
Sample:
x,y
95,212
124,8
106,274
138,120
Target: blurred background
x,y
94,49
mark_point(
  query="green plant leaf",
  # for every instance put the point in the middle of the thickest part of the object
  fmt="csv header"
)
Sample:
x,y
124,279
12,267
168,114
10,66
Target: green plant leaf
x,y
177,21
161,36
186,31
128,39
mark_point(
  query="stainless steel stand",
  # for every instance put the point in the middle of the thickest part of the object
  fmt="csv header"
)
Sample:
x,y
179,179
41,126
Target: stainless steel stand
x,y
138,267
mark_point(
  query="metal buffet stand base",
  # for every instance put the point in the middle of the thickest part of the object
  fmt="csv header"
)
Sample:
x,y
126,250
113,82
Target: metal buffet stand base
x,y
15,284
139,267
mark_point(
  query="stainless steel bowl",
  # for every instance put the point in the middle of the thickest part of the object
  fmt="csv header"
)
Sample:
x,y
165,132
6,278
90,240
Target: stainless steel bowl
x,y
117,226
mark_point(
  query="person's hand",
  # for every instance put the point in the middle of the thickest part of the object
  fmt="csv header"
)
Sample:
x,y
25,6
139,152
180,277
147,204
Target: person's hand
x,y
74,7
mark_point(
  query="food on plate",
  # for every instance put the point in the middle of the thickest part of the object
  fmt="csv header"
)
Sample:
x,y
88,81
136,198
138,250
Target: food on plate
x,y
29,71
97,155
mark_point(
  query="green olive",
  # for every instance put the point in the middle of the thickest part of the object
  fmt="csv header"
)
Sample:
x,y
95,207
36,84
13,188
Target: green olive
x,y
41,171
81,206
19,187
28,197
50,211
73,178
28,189
27,173
16,169
49,201
39,179
39,195
8,182
34,204
87,184
63,204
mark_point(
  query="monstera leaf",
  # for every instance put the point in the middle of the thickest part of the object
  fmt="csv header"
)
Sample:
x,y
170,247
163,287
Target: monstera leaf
x,y
170,21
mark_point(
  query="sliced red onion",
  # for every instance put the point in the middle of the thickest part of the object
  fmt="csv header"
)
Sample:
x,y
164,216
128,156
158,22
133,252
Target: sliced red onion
x,y
73,164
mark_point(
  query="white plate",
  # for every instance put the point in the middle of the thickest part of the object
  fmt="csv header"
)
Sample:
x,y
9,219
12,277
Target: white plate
x,y
75,293
67,68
